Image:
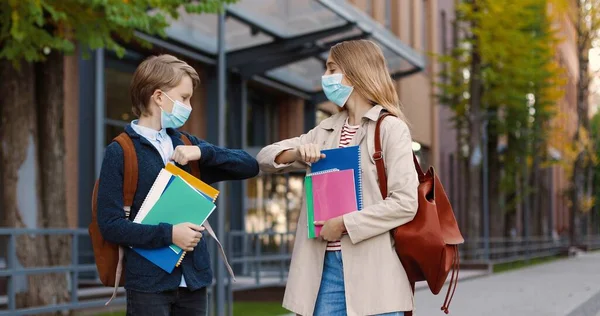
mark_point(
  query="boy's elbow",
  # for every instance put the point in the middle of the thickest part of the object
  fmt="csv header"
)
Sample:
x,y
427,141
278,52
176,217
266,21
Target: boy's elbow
x,y
253,169
108,231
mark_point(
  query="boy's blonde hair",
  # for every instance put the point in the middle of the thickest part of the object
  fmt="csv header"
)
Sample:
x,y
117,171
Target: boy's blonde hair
x,y
162,72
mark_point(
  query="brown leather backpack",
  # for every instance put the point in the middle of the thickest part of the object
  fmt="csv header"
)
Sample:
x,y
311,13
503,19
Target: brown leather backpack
x,y
109,256
428,245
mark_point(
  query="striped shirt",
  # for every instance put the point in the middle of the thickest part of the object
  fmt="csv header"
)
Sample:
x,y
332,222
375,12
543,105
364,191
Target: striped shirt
x,y
348,133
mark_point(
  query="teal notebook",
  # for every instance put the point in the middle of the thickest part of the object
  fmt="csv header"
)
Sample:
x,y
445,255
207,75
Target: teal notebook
x,y
179,203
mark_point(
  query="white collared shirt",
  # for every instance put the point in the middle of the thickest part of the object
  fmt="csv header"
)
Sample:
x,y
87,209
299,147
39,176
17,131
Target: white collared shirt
x,y
159,139
163,143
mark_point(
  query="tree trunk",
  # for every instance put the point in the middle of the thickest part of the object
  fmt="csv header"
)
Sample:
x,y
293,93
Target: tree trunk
x,y
22,197
475,91
497,217
50,109
577,194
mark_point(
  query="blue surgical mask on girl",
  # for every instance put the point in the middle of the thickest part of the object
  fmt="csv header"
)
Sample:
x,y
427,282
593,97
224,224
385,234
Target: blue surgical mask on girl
x,y
334,90
178,116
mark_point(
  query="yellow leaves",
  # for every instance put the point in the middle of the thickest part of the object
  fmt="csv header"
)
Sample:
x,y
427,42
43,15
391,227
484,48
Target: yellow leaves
x,y
586,203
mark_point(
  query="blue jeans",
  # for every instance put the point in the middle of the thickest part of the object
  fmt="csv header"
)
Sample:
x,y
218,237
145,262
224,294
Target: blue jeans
x,y
331,300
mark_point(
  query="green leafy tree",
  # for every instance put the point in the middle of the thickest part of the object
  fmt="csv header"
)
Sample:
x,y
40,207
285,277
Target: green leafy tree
x,y
503,71
35,36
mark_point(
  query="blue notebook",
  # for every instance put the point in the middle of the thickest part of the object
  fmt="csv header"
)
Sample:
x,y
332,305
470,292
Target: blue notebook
x,y
171,192
163,257
343,159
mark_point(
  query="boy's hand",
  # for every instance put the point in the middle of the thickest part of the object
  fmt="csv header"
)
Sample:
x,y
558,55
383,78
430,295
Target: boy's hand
x,y
187,235
184,154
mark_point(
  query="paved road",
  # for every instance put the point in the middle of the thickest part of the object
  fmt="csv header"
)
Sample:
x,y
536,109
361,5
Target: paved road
x,y
568,287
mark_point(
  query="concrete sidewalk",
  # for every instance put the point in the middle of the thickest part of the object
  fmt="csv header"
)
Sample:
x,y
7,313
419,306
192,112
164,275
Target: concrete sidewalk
x,y
464,275
567,287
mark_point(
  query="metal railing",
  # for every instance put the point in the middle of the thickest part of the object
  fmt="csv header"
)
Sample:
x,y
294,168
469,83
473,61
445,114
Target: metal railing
x,y
503,249
262,258
592,242
259,259
74,269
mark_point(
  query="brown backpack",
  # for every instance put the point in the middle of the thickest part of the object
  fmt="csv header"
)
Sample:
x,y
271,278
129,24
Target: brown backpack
x,y
428,245
109,256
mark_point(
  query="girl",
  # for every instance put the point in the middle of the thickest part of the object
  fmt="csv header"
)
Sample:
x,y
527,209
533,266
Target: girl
x,y
353,268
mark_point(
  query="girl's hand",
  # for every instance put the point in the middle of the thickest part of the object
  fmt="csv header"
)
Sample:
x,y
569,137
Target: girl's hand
x,y
308,153
332,229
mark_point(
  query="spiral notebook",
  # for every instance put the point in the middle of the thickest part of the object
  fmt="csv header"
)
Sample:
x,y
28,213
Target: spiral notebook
x,y
171,192
329,194
343,159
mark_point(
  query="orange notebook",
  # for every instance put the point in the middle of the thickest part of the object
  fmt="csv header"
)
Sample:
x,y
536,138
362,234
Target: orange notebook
x,y
204,188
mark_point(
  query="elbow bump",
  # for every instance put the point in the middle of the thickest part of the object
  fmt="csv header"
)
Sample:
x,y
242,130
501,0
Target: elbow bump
x,y
255,169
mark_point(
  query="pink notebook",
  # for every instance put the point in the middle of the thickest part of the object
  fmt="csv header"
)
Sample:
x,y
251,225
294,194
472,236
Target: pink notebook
x,y
329,194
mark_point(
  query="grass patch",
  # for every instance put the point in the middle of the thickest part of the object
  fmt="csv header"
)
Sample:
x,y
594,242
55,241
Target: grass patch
x,y
509,266
239,309
258,309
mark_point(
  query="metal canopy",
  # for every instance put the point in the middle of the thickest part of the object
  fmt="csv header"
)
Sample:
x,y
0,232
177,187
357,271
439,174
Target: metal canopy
x,y
287,41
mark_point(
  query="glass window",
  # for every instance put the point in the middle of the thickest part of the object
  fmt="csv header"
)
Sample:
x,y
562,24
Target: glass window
x,y
273,204
117,78
262,119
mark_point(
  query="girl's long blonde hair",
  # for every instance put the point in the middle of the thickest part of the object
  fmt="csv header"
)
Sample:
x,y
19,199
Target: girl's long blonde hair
x,y
364,65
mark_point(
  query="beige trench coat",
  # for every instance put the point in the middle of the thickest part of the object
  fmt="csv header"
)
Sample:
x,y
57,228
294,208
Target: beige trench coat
x,y
375,281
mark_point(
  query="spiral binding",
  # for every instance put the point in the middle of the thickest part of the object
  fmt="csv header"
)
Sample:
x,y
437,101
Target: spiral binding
x,y
360,187
180,259
322,172
148,195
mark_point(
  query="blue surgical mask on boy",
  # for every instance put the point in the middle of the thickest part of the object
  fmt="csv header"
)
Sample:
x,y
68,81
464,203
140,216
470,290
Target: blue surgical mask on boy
x,y
334,90
178,116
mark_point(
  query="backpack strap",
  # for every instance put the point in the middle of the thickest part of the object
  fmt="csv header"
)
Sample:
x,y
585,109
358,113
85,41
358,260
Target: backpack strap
x,y
378,157
130,179
194,166
130,170
380,164
381,175
196,173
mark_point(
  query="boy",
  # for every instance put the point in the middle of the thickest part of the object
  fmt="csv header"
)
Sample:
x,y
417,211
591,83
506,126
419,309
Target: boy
x,y
161,90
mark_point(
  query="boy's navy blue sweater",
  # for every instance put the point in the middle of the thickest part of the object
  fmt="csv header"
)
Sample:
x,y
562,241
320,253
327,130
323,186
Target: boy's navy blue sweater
x,y
216,164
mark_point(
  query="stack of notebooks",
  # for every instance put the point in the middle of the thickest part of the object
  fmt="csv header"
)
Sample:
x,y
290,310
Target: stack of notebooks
x,y
175,197
334,187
